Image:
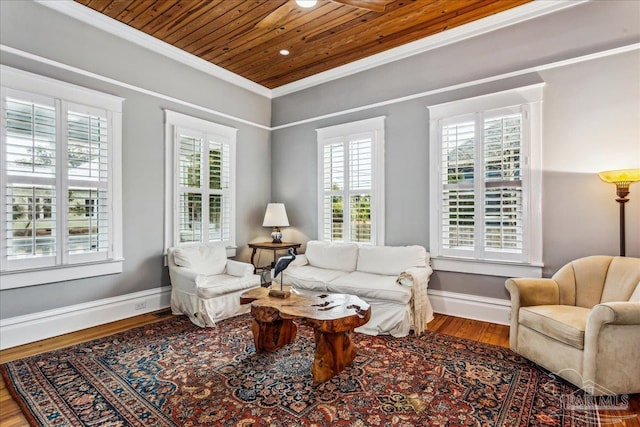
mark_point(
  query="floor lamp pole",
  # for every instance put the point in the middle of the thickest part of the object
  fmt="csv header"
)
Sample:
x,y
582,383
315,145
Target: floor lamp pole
x,y
622,178
622,233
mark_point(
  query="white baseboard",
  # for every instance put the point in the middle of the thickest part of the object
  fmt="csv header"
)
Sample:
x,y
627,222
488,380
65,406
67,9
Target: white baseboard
x,y
474,307
25,329
29,328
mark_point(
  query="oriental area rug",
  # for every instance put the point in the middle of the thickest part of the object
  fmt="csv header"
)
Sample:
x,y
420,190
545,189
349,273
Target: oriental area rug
x,y
173,373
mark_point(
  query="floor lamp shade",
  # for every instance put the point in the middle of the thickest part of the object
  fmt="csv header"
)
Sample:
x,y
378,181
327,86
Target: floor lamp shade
x,y
622,178
276,216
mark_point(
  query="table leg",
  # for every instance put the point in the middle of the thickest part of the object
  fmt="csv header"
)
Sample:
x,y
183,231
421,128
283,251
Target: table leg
x,y
253,254
270,336
334,352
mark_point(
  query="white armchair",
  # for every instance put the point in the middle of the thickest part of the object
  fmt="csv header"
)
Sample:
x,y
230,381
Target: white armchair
x,y
205,285
582,324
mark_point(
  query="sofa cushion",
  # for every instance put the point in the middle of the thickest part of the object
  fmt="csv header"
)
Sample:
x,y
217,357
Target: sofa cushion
x,y
371,286
332,256
222,284
310,278
565,323
203,259
390,260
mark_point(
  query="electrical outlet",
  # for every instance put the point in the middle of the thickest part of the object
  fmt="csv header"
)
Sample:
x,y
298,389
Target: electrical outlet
x,y
140,305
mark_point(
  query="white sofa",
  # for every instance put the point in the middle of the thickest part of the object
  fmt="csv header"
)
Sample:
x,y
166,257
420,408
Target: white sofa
x,y
393,280
205,285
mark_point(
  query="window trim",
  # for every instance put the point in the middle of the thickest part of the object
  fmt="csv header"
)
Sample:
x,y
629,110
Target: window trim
x,y
325,136
174,121
531,97
64,94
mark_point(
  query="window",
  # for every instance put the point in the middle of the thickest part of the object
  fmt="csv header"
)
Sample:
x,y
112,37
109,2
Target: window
x,y
59,207
485,183
351,182
201,202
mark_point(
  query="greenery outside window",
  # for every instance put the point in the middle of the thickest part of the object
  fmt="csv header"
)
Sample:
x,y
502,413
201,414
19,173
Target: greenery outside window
x,y
351,182
201,203
59,209
485,184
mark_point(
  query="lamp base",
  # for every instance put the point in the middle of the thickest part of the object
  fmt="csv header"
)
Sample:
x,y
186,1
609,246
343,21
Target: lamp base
x,y
276,235
277,293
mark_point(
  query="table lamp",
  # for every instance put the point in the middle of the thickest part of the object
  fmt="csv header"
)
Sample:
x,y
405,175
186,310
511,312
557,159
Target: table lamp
x,y
622,178
276,217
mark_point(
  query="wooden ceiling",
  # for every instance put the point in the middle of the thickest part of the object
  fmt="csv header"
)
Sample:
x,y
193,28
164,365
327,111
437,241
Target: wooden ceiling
x,y
246,36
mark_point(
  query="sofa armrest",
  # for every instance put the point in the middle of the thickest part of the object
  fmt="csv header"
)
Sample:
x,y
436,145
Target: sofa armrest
x,y
611,338
616,313
417,278
410,276
183,278
238,268
527,292
300,260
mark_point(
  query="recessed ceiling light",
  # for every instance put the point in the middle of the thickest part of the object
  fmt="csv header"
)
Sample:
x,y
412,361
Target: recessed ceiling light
x,y
284,52
306,3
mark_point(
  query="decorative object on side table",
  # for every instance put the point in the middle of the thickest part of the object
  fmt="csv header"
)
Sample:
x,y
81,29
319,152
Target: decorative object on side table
x,y
281,265
276,217
622,178
269,246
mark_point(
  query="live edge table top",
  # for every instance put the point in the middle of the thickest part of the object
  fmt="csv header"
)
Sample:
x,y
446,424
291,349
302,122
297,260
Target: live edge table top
x,y
326,312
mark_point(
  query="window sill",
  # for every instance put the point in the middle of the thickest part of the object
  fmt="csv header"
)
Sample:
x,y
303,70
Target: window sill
x,y
24,278
487,268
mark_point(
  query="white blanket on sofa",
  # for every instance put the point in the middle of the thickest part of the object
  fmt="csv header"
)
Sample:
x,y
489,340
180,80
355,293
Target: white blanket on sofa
x,y
421,310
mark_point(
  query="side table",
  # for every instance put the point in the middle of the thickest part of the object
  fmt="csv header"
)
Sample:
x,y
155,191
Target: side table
x,y
274,247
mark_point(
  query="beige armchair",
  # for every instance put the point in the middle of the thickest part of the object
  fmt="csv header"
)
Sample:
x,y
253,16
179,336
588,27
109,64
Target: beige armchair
x,y
583,324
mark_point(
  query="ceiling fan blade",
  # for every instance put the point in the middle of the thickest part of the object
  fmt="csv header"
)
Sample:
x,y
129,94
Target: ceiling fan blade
x,y
372,5
276,17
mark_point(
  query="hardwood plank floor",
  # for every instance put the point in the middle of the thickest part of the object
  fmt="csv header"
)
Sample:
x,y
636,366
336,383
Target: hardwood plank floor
x,y
11,415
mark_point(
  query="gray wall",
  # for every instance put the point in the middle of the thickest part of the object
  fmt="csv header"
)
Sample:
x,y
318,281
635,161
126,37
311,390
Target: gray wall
x,y
591,123
36,29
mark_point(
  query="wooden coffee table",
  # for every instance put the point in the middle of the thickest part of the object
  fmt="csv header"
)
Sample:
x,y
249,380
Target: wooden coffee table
x,y
332,316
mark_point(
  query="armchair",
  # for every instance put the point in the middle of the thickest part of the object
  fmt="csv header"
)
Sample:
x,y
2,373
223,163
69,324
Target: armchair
x,y
582,324
205,285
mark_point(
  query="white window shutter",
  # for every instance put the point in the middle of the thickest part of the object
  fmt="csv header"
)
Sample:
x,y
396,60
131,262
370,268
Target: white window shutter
x,y
351,182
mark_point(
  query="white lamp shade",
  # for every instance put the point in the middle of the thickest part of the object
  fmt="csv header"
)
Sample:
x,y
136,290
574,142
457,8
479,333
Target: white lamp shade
x,y
275,216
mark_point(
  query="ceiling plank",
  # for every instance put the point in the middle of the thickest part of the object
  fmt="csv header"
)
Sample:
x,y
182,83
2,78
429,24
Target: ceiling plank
x,y
335,60
193,20
289,35
321,46
231,25
377,35
144,16
115,7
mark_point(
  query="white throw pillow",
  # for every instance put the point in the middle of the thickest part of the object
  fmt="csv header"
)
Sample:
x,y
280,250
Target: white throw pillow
x,y
333,256
206,259
390,260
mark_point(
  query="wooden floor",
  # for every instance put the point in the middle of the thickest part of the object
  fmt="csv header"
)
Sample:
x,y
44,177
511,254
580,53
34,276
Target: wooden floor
x,y
10,414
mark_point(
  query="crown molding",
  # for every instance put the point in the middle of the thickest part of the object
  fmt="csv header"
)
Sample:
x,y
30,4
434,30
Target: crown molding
x,y
80,71
504,19
537,68
103,22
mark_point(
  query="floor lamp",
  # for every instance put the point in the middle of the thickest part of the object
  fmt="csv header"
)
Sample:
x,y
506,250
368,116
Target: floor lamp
x,y
622,178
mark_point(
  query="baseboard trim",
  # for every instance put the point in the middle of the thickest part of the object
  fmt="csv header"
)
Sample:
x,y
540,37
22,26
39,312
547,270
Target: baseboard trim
x,y
474,307
29,328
